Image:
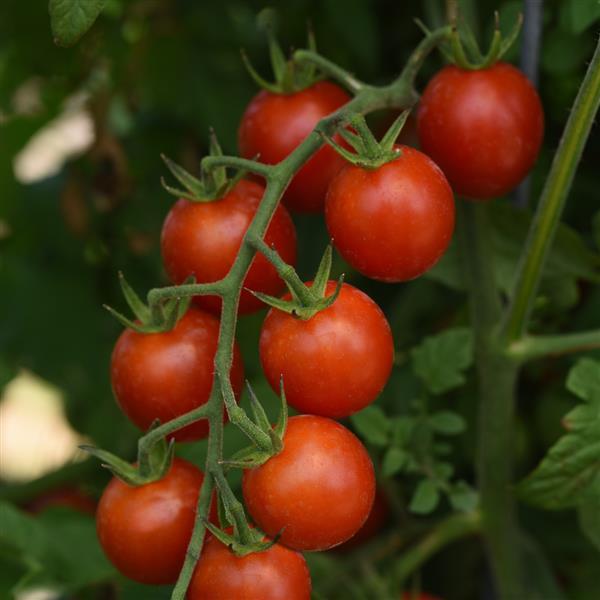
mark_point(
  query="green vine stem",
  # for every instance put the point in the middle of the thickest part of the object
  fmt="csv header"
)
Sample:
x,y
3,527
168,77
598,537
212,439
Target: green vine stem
x,y
330,69
552,202
398,94
536,346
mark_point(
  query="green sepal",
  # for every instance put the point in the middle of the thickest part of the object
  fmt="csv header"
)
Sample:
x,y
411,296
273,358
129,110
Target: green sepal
x,y
368,152
234,544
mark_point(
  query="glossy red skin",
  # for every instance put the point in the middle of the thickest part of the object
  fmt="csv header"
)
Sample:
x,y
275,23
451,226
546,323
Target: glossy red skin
x,y
274,574
333,364
394,222
144,530
164,375
203,239
68,497
274,125
318,491
483,128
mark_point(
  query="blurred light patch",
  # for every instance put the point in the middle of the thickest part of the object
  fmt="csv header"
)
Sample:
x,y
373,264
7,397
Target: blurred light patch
x,y
71,133
35,436
39,594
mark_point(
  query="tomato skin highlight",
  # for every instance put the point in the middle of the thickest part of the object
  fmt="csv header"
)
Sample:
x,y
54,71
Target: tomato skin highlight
x,y
333,364
318,491
145,530
274,125
483,128
203,239
394,222
164,375
274,574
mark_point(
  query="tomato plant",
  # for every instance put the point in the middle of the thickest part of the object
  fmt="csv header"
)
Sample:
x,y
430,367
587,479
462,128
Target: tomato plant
x,y
484,128
277,573
203,239
164,375
298,492
273,125
334,363
145,530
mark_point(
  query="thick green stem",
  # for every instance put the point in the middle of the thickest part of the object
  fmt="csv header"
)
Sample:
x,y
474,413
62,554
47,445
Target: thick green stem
x,y
537,346
330,69
497,377
556,189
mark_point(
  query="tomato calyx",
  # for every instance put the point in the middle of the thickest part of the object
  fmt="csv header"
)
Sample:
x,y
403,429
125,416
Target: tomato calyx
x,y
151,466
463,50
255,455
213,183
159,318
368,152
306,300
291,76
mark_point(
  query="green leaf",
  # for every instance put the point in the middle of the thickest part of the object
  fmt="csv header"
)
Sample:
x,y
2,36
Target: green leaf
x,y
425,498
577,15
447,422
393,461
402,428
589,514
70,19
572,464
440,360
373,425
463,497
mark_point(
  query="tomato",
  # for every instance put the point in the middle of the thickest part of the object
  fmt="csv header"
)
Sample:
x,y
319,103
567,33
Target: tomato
x,y
165,375
203,239
275,124
274,574
333,364
394,222
483,128
375,521
68,497
318,491
145,530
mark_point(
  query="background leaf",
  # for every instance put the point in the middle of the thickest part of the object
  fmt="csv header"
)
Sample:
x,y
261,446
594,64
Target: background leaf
x,y
70,19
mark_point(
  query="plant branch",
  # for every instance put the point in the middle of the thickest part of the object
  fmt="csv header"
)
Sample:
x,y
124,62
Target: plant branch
x,y
235,162
537,346
556,189
330,69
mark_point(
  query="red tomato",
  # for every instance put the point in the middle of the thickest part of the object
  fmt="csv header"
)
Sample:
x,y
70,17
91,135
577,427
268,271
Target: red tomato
x,y
333,364
483,128
375,521
164,375
318,491
203,239
394,222
274,574
145,530
275,124
69,497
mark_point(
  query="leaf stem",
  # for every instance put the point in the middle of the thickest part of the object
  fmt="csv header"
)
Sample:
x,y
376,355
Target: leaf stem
x,y
330,69
537,346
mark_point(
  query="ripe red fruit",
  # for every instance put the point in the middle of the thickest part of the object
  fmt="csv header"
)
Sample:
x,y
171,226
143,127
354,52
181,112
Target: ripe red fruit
x,y
165,375
483,128
333,364
274,574
145,530
203,239
274,125
318,491
393,222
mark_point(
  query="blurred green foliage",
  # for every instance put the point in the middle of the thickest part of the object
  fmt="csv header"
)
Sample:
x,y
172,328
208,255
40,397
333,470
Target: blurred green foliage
x,y
154,75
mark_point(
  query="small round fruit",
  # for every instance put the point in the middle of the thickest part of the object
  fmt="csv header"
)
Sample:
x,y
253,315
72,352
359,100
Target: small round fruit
x,y
394,222
274,125
165,375
318,491
333,364
483,128
145,530
274,574
203,239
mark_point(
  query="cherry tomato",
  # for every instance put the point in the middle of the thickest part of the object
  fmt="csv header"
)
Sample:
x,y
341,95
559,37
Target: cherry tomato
x,y
483,128
318,491
203,239
333,364
275,124
274,574
375,521
394,222
145,530
164,375
69,497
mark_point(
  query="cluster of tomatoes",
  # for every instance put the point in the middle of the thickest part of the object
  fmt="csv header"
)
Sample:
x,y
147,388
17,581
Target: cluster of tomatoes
x,y
391,223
